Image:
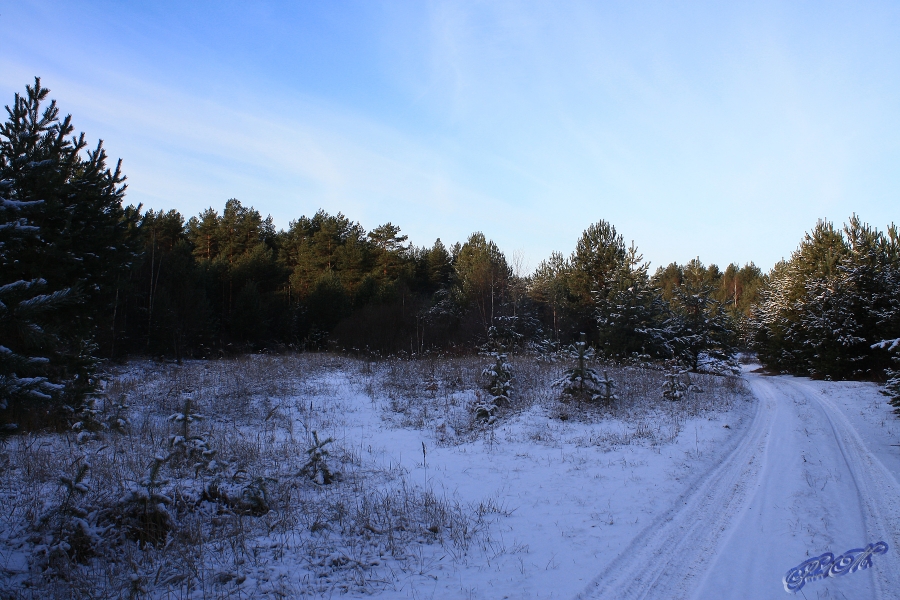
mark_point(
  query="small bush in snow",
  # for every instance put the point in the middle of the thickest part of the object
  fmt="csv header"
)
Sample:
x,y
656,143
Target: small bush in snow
x,y
580,380
142,513
674,387
317,467
498,389
188,445
606,389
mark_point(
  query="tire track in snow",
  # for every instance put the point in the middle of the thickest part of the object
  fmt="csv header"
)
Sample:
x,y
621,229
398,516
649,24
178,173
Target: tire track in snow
x,y
744,522
664,560
879,491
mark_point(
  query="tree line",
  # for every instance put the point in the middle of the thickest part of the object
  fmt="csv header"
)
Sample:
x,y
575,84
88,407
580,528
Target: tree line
x,y
833,309
217,281
85,278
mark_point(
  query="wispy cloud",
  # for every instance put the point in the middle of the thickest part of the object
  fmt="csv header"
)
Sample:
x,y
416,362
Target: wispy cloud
x,y
289,158
721,131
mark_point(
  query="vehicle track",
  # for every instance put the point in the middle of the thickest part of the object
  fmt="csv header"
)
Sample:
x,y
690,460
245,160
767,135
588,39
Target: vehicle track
x,y
662,561
879,491
759,511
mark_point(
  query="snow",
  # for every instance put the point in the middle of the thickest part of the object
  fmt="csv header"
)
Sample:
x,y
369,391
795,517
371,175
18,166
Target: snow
x,y
889,345
716,502
573,503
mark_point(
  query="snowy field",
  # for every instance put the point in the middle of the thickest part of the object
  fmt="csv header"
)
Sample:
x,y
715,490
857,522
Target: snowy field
x,y
714,496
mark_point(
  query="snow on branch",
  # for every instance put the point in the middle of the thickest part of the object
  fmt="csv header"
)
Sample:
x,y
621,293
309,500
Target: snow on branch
x,y
889,345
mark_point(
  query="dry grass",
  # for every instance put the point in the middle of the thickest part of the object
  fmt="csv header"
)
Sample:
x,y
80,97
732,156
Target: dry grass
x,y
439,394
247,525
245,522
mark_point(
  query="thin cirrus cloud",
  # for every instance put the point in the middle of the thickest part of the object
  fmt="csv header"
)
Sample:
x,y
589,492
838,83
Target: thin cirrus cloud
x,y
188,153
730,144
719,131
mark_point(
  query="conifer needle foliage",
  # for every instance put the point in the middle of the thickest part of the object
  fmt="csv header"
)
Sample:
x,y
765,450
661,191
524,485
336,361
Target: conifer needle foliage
x,y
581,381
64,247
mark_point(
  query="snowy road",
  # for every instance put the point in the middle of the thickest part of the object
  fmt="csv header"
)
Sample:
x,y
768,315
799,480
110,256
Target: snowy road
x,y
799,481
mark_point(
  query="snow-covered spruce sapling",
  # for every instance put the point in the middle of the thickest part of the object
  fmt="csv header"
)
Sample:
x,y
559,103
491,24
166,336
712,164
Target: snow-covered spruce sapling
x,y
691,386
317,467
503,335
498,389
188,445
674,387
485,410
892,385
90,422
72,527
606,389
547,350
251,498
581,380
255,497
117,418
142,511
892,388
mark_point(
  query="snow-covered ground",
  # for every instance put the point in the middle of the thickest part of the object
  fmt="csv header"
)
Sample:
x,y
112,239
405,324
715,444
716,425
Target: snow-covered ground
x,y
577,493
814,472
715,496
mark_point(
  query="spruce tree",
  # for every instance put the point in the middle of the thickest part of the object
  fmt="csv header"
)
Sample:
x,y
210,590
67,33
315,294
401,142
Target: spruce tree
x,y
27,344
892,388
892,384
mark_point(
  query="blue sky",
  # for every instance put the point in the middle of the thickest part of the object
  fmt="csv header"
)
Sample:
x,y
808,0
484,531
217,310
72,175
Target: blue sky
x,y
718,130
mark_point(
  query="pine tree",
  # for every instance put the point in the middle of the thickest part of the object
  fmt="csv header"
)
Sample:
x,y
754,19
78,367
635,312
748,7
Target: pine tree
x,y
630,313
674,387
390,249
440,266
498,389
599,255
64,236
822,312
550,288
699,326
483,276
321,244
581,380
